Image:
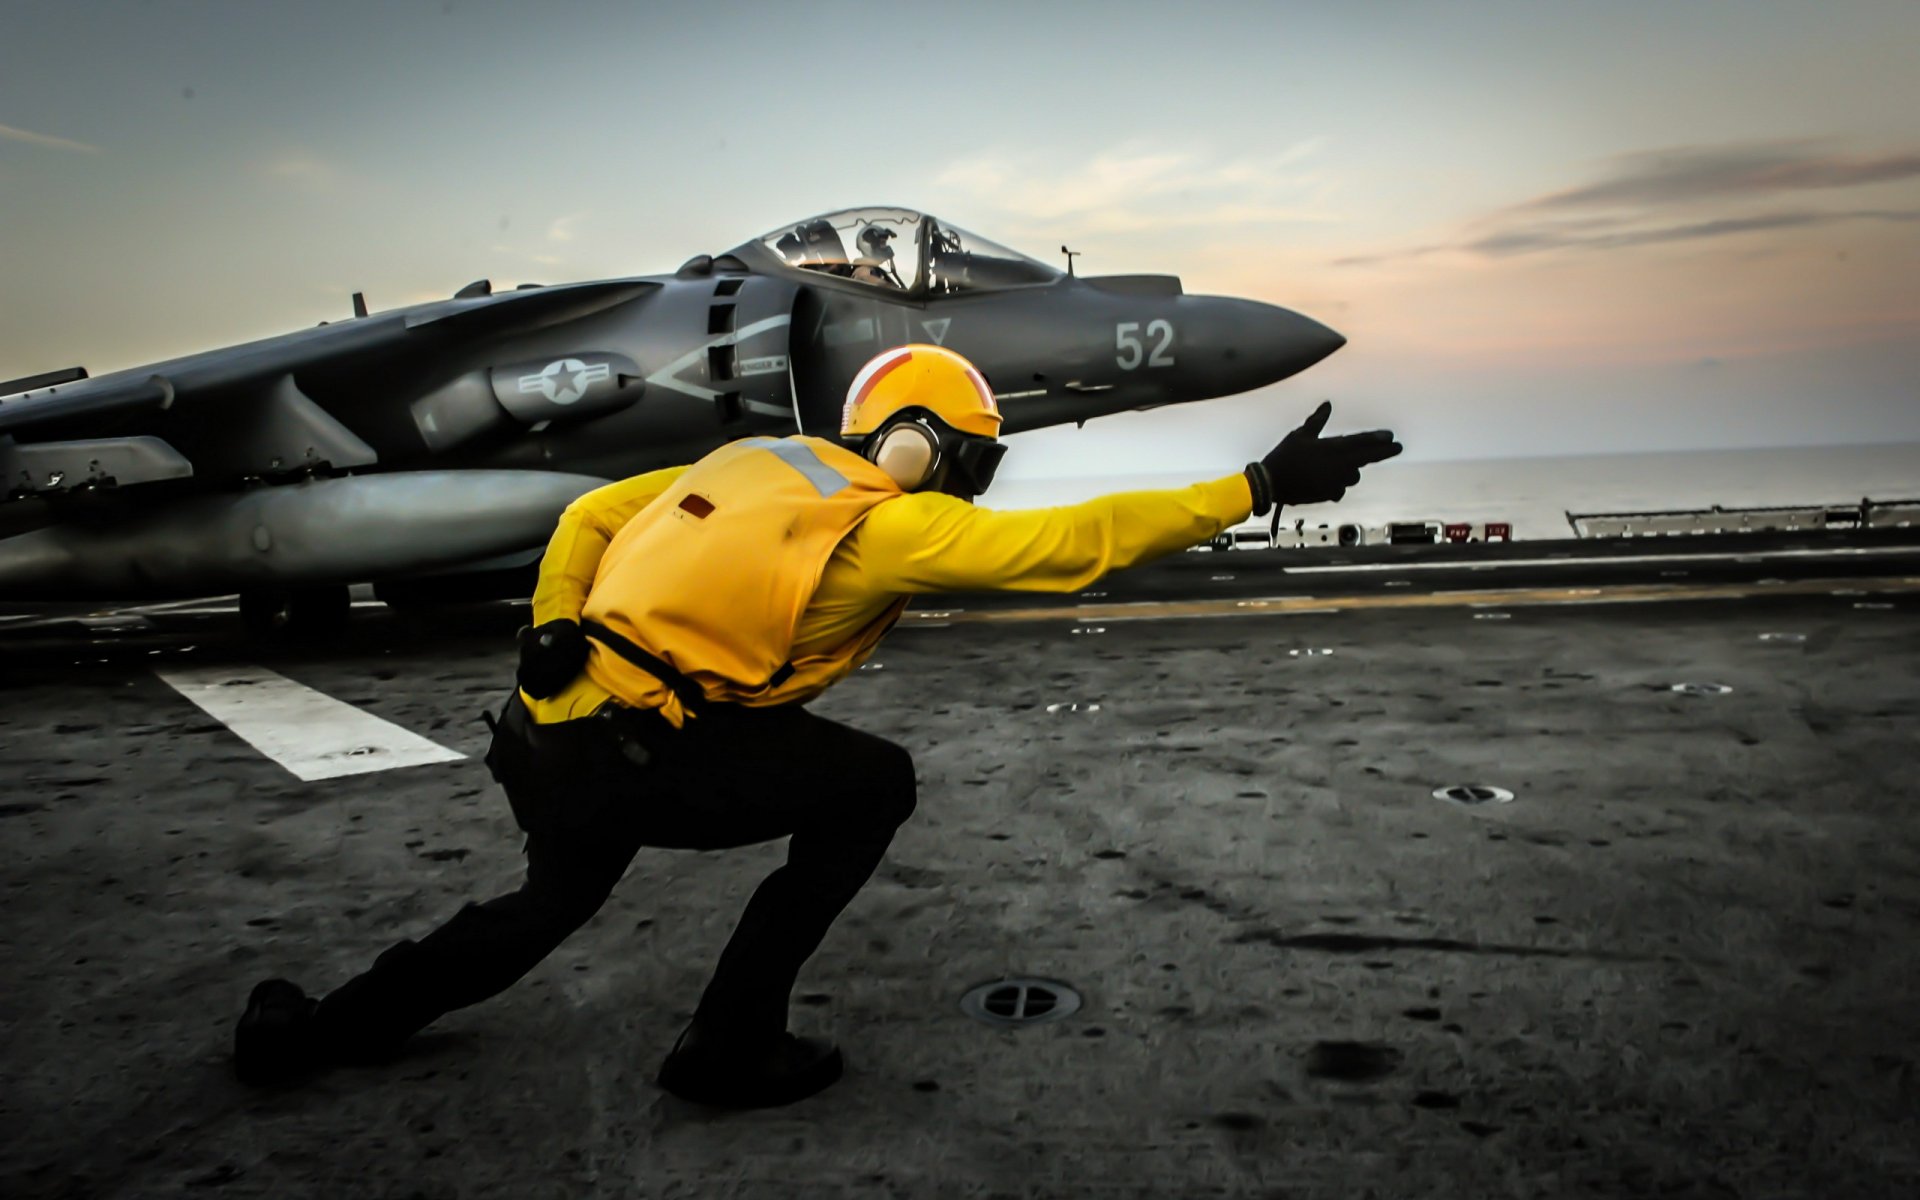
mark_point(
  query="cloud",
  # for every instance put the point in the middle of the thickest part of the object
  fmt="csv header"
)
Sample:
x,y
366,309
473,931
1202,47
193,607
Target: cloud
x,y
561,230
1529,241
1687,174
1386,256
1677,195
10,134
1134,188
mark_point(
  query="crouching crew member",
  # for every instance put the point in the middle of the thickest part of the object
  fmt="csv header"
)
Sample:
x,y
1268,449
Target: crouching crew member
x,y
683,619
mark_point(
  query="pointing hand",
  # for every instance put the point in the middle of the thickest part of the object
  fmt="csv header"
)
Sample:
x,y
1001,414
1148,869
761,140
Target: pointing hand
x,y
1306,468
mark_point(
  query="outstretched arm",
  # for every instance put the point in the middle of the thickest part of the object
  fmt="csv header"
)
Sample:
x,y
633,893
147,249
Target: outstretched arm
x,y
586,528
933,543
929,542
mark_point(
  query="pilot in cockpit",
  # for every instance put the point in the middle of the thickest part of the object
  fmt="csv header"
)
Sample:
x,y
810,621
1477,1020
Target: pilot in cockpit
x,y
875,264
816,246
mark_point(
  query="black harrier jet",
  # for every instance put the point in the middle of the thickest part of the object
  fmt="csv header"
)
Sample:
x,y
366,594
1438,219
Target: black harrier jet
x,y
419,447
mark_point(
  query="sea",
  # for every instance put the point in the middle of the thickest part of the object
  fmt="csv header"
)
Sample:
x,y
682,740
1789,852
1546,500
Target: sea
x,y
1535,495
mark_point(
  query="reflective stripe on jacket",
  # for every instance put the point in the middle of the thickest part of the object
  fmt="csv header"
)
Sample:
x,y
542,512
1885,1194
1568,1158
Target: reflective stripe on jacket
x,y
714,575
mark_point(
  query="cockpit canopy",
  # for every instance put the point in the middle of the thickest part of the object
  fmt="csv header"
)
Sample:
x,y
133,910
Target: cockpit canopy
x,y
903,251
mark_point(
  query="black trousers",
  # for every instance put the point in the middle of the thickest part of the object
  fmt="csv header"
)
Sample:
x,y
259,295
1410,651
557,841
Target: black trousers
x,y
732,777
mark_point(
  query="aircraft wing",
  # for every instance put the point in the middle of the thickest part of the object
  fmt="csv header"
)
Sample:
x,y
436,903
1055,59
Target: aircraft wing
x,y
247,409
114,396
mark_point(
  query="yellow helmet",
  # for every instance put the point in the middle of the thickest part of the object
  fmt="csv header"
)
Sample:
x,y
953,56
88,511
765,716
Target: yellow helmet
x,y
920,376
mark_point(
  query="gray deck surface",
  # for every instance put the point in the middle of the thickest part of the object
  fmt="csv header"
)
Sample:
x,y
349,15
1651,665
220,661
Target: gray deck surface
x,y
1683,961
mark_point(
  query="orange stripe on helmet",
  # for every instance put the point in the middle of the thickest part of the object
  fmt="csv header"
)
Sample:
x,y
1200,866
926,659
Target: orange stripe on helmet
x,y
986,392
870,375
941,381
880,371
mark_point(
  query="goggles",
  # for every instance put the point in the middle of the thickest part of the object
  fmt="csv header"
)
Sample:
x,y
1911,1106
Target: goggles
x,y
974,460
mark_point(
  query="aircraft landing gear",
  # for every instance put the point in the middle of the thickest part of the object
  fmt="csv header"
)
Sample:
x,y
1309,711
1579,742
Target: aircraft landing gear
x,y
295,614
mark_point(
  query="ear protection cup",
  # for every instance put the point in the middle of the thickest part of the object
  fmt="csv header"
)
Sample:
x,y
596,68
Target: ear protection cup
x,y
908,453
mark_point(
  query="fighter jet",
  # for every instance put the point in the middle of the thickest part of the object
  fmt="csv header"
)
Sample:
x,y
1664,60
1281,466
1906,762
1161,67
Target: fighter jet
x,y
428,450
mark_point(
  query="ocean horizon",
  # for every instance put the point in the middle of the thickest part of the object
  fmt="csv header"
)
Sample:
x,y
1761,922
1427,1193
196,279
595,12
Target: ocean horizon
x,y
1536,494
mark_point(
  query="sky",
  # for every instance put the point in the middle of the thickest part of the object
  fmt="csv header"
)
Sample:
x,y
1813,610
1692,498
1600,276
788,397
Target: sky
x,y
1544,228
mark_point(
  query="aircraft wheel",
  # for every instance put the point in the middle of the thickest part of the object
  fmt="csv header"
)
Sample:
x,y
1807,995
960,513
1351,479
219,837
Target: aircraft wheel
x,y
294,614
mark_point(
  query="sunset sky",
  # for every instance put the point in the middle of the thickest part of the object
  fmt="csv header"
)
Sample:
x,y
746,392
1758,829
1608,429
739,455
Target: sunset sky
x,y
1545,228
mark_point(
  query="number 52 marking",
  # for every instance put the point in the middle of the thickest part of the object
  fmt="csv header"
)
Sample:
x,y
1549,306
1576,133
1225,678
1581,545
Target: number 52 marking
x,y
1126,337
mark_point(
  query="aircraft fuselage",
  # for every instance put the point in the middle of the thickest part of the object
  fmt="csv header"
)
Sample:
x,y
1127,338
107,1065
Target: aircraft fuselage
x,y
255,466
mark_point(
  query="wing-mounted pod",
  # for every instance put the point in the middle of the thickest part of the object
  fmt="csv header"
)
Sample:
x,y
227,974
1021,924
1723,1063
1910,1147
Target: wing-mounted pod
x,y
318,531
567,387
742,367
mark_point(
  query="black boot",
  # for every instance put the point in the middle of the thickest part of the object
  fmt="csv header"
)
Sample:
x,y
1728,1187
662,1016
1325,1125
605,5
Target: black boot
x,y
708,1068
274,1041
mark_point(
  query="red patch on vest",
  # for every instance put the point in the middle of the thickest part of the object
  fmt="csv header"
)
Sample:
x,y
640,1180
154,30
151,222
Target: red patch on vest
x,y
699,506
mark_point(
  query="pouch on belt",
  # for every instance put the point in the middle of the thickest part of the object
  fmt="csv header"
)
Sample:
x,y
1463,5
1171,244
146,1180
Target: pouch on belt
x,y
559,777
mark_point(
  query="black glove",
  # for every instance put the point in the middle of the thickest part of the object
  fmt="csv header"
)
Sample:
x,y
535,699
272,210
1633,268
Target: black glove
x,y
1306,468
551,657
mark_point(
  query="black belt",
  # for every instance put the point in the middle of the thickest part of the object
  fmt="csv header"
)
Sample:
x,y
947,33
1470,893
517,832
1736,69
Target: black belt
x,y
689,693
692,697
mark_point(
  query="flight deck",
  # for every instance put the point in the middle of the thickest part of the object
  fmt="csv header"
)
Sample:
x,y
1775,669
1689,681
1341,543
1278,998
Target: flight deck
x,y
1551,868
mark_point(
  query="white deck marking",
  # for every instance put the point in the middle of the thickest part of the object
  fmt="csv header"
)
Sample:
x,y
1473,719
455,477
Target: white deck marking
x,y
1283,606
1567,560
307,732
193,608
197,601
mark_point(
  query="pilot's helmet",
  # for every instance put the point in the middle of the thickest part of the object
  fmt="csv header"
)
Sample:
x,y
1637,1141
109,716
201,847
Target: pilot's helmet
x,y
873,241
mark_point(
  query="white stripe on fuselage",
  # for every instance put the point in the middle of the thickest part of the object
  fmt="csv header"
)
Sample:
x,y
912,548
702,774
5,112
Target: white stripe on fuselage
x,y
668,376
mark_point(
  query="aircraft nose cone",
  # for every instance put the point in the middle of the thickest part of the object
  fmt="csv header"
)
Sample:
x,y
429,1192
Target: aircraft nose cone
x,y
1279,342
1243,344
1311,341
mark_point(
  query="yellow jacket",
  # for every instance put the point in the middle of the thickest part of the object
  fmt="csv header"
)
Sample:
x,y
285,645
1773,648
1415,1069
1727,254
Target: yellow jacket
x,y
903,545
715,575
